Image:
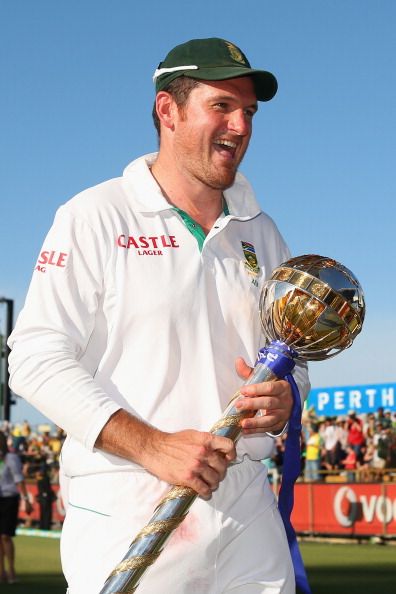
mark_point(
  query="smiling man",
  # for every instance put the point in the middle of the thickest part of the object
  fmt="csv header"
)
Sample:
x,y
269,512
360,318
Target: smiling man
x,y
137,341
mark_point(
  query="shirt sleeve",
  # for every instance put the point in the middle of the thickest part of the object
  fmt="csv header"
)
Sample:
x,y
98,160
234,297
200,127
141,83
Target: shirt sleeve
x,y
55,327
300,374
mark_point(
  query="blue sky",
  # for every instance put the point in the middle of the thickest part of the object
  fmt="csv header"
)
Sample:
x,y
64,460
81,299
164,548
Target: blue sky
x,y
76,104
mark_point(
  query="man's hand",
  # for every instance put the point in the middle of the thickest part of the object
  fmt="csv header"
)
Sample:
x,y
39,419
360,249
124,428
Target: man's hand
x,y
273,399
188,458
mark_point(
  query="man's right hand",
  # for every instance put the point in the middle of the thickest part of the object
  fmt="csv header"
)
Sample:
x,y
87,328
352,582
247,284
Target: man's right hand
x,y
188,458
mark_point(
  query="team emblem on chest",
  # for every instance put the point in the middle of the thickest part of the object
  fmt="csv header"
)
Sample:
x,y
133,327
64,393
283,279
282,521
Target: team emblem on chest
x,y
251,263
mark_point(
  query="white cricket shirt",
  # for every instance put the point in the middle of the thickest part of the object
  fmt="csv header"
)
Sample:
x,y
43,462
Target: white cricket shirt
x,y
125,311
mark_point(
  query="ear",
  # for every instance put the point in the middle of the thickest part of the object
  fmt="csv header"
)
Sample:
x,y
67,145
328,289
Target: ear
x,y
166,109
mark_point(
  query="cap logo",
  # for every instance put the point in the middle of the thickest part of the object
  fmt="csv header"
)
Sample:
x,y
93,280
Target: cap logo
x,y
235,53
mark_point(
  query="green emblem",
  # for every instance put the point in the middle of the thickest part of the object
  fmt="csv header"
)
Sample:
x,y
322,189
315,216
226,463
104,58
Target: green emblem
x,y
251,263
235,53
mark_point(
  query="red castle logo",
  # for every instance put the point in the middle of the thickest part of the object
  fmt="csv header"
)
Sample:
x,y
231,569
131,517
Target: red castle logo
x,y
51,258
147,246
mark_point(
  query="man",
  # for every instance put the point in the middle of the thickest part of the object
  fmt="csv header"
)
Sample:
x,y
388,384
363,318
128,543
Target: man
x,y
356,437
331,444
12,488
142,298
313,454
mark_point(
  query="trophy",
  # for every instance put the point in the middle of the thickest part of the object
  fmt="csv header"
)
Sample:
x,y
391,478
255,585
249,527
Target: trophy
x,y
311,308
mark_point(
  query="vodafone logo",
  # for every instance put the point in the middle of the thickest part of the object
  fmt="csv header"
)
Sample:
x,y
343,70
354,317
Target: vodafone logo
x,y
51,258
350,507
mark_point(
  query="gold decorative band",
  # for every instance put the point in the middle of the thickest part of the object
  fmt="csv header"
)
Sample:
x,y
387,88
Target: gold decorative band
x,y
159,526
134,563
228,421
322,291
177,492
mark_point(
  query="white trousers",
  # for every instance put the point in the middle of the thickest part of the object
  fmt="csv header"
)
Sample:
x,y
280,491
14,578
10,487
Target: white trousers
x,y
235,543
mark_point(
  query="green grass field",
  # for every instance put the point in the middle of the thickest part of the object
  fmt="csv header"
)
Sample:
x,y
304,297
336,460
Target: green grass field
x,y
350,568
38,567
332,568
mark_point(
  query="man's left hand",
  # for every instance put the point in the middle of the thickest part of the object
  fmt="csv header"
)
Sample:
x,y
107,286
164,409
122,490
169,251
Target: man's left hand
x,y
273,400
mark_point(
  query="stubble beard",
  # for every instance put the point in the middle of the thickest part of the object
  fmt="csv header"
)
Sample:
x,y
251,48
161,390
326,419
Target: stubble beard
x,y
220,178
199,164
206,173
218,181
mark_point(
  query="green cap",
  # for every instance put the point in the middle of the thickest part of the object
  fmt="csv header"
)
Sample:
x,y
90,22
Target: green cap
x,y
212,59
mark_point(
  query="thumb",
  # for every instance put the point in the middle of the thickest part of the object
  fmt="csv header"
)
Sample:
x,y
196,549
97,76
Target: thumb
x,y
242,368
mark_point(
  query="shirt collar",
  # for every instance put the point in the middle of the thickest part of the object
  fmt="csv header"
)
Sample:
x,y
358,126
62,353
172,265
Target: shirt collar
x,y
148,197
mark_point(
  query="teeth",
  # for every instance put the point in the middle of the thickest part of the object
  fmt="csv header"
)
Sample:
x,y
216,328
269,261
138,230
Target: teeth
x,y
227,143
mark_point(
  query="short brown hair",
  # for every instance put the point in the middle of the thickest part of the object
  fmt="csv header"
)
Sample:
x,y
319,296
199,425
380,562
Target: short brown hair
x,y
180,89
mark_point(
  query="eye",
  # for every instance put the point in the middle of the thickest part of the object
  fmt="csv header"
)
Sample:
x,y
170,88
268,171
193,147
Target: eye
x,y
221,106
249,112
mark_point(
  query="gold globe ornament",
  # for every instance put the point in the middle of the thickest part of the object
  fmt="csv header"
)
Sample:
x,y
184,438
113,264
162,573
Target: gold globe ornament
x,y
314,305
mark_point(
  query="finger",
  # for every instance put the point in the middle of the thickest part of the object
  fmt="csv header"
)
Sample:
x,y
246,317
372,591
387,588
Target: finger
x,y
262,403
277,428
200,487
219,464
242,368
204,479
211,477
274,388
217,443
271,422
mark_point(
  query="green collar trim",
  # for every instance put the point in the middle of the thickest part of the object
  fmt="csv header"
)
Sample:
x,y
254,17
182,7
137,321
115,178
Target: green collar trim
x,y
194,228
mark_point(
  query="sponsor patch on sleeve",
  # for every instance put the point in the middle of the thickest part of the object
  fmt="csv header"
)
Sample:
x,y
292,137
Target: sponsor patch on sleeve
x,y
51,258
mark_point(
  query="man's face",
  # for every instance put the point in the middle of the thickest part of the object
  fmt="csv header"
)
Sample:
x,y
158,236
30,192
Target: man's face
x,y
212,131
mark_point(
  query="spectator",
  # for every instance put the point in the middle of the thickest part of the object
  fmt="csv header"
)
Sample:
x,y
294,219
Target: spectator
x,y
392,448
380,448
45,498
385,445
387,420
331,444
313,454
369,426
356,437
25,429
380,416
366,472
350,464
11,485
18,443
342,435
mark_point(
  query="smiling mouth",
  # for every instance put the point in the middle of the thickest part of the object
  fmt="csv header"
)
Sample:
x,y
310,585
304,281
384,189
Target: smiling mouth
x,y
226,145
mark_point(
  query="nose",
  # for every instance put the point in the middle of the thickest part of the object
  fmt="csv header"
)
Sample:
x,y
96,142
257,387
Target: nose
x,y
240,123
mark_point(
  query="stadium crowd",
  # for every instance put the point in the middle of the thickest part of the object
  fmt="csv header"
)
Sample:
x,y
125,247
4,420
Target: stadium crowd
x,y
348,448
38,449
